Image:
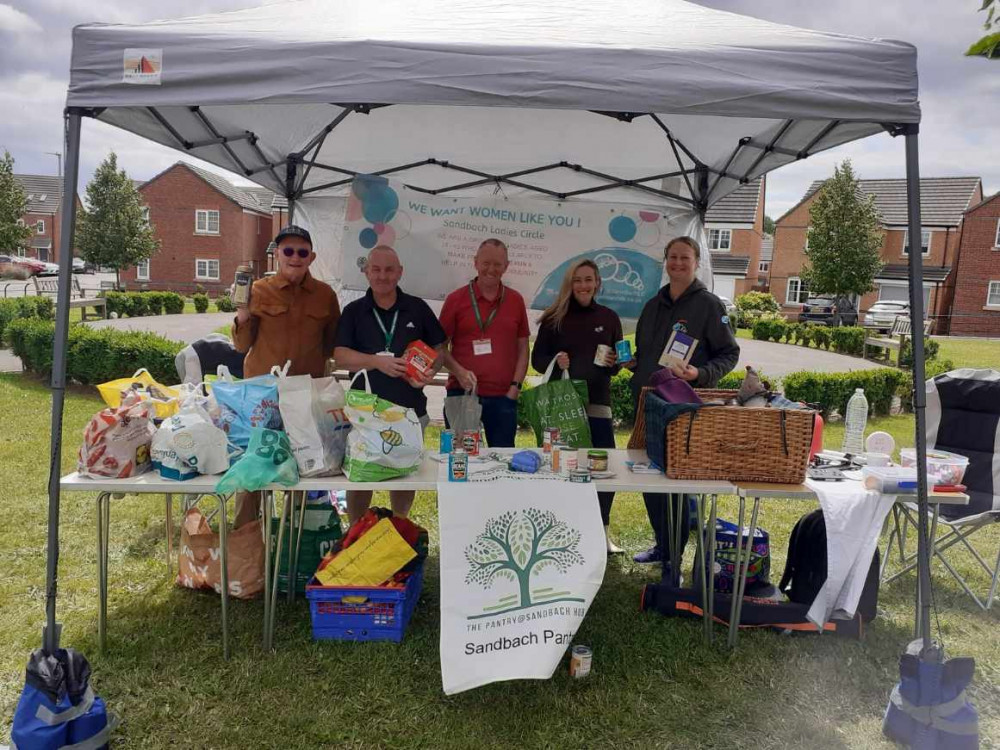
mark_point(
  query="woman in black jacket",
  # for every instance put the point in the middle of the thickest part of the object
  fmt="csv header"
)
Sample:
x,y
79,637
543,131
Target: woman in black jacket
x,y
570,331
684,305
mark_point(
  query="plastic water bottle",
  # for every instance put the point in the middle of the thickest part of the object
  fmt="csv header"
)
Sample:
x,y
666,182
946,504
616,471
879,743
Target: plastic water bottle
x,y
854,423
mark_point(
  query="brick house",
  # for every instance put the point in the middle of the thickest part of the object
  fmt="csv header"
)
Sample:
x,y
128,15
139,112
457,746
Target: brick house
x,y
976,307
43,214
943,202
735,228
206,227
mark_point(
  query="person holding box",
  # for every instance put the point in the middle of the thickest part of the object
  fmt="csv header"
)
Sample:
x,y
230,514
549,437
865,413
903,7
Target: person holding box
x,y
581,334
487,325
373,335
290,317
684,327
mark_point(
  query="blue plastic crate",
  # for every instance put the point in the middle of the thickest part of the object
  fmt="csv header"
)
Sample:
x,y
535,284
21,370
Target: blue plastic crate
x,y
383,616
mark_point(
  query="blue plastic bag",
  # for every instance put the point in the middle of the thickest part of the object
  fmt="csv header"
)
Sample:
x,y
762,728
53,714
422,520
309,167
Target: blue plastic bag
x,y
527,461
245,404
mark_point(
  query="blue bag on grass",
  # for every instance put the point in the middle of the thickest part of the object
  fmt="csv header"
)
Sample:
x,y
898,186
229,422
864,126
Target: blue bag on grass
x,y
57,706
245,404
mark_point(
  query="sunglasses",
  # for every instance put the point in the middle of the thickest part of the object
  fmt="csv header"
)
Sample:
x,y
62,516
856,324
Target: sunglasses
x,y
290,251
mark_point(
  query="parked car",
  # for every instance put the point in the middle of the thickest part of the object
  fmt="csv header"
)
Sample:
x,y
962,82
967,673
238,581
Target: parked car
x,y
730,307
882,315
32,266
829,311
48,269
80,266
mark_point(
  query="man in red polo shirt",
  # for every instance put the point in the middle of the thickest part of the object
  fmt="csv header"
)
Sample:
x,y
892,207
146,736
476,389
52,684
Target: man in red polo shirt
x,y
487,325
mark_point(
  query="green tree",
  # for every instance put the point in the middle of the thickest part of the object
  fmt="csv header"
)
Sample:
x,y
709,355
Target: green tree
x,y
112,230
514,545
844,238
769,225
989,45
13,205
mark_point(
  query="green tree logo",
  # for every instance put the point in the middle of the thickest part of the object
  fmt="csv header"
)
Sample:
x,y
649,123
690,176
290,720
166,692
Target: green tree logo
x,y
516,545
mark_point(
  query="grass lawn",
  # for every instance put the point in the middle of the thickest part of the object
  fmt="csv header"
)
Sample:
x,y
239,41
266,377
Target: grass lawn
x,y
654,682
970,352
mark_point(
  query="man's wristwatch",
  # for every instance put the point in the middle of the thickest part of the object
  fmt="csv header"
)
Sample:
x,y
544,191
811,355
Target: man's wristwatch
x,y
515,384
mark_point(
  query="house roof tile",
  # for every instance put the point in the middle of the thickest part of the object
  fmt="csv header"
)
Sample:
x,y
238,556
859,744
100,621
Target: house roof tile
x,y
739,207
256,199
724,263
901,272
44,192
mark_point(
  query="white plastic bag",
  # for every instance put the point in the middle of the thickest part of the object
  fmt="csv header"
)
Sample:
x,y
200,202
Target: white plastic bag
x,y
116,441
464,413
312,410
187,445
385,441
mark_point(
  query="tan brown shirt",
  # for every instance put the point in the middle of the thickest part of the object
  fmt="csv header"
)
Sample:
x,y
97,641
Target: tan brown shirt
x,y
297,323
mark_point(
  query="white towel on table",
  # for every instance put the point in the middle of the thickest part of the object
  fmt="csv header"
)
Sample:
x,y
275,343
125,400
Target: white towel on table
x,y
854,518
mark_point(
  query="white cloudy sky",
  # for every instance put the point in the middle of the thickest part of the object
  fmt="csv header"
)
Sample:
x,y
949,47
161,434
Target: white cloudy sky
x,y
960,97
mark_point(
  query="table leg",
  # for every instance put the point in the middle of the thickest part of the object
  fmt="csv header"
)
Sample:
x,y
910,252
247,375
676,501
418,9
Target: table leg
x,y
224,559
277,568
103,528
712,515
700,569
741,572
294,573
676,554
736,567
266,500
170,533
667,532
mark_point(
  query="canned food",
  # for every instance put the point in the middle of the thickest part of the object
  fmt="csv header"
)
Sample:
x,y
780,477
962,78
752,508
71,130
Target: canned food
x,y
550,435
597,460
579,661
558,451
447,443
601,355
470,442
624,351
581,476
569,462
458,466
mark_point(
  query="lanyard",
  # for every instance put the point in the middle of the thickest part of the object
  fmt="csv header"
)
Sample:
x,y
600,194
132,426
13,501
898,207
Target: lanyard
x,y
391,332
493,312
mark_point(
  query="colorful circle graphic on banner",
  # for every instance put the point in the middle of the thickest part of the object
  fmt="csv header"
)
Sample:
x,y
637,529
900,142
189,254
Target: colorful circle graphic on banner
x,y
622,229
379,202
367,238
353,208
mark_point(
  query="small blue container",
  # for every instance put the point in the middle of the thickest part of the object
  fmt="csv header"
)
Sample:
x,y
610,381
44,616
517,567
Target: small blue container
x,y
623,349
447,443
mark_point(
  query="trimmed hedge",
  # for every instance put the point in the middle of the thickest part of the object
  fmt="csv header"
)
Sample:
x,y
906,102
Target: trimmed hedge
x,y
139,304
225,304
173,303
21,308
94,356
931,348
200,302
830,391
842,339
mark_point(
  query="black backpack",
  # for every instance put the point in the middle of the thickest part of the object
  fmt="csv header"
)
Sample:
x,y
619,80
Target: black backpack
x,y
805,567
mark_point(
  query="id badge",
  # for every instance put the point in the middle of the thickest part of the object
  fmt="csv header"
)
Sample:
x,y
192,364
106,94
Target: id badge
x,y
482,346
384,354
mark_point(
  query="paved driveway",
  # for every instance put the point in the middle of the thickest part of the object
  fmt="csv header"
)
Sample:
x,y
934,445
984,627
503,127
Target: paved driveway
x,y
186,328
777,360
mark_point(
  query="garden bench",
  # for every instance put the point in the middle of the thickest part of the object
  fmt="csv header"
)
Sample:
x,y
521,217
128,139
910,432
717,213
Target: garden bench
x,y
108,286
50,286
895,340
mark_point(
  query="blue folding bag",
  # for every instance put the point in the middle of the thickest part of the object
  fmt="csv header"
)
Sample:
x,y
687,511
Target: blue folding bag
x,y
245,404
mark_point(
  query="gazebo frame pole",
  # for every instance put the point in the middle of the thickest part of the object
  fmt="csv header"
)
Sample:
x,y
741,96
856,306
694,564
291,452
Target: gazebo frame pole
x,y
72,118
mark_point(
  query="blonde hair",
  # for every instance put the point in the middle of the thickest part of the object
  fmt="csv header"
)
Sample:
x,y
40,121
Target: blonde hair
x,y
556,312
689,241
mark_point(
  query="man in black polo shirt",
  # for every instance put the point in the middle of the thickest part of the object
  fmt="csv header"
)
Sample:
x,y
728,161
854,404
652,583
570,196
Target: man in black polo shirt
x,y
372,335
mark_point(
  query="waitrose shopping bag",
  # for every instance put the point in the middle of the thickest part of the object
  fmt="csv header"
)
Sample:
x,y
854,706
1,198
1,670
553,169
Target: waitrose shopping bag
x,y
199,565
560,403
385,441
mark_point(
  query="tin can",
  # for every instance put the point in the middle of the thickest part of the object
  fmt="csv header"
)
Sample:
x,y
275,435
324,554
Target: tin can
x,y
624,351
470,442
601,355
447,444
580,476
559,450
579,661
569,462
550,435
597,460
241,286
458,466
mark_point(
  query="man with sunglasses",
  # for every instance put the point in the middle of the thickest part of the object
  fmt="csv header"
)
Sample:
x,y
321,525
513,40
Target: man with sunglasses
x,y
291,315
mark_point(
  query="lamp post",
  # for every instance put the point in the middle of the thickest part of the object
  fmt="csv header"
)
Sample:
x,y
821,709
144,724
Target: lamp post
x,y
270,255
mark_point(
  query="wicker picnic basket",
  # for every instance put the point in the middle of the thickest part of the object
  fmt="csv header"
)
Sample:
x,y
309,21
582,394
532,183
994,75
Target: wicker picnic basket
x,y
734,443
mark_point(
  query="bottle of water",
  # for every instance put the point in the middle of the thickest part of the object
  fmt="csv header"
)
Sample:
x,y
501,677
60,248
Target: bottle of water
x,y
854,423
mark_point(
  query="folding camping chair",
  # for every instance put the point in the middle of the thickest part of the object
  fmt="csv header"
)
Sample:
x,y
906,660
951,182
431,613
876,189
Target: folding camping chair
x,y
963,416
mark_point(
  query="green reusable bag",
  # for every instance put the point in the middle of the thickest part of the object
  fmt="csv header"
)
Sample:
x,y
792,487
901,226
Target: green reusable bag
x,y
560,403
320,531
268,460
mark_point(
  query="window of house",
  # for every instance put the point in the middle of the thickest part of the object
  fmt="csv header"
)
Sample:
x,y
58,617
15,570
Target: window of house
x,y
206,222
764,267
993,294
996,241
145,215
40,227
206,270
142,271
925,242
796,292
720,239
20,252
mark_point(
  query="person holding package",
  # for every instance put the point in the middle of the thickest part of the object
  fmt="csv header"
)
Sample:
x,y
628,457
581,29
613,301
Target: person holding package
x,y
572,330
373,335
487,326
686,306
290,316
